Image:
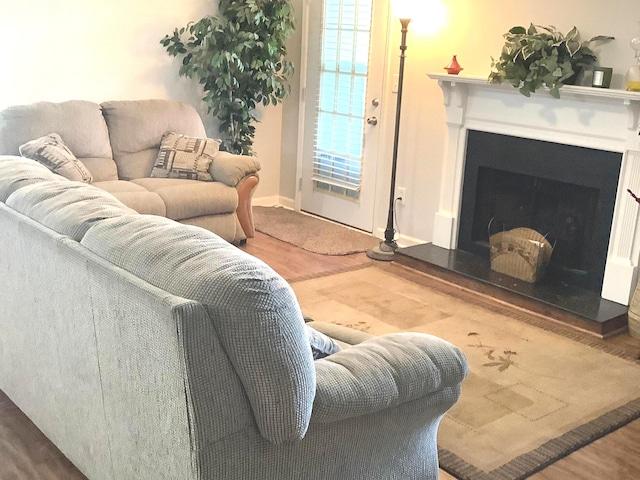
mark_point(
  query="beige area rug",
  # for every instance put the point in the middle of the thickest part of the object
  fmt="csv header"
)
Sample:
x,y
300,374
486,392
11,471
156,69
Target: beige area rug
x,y
310,233
536,391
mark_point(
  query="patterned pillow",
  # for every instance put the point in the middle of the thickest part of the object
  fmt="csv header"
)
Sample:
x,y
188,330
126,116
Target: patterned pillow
x,y
185,157
321,345
51,152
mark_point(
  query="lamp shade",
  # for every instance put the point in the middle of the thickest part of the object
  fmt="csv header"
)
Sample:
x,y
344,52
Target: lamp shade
x,y
404,8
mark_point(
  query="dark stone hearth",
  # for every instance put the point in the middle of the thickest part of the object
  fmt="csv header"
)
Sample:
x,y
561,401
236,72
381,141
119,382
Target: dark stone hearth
x,y
578,307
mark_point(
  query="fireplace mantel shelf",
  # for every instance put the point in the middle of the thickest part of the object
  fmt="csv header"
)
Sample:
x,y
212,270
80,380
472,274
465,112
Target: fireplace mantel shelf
x,y
572,90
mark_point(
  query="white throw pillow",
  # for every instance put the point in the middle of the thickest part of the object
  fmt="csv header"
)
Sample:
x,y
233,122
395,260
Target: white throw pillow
x,y
51,152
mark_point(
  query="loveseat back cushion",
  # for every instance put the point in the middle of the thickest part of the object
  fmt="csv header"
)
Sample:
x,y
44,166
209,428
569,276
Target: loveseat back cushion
x,y
78,122
17,172
136,128
69,208
253,310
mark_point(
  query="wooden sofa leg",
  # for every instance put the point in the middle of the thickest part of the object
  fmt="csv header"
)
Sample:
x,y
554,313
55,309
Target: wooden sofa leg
x,y
245,188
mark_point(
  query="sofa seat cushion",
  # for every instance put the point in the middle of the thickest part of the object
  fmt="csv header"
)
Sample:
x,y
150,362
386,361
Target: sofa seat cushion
x,y
192,198
69,208
135,196
17,172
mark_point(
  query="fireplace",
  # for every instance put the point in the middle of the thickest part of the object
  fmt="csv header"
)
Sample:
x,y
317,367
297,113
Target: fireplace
x,y
594,222
566,193
605,120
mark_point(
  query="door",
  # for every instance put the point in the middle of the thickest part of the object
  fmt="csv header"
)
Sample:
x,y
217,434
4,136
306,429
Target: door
x,y
343,89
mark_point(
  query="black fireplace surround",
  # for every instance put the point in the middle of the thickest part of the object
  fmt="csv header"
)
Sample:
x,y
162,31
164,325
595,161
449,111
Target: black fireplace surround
x,y
566,193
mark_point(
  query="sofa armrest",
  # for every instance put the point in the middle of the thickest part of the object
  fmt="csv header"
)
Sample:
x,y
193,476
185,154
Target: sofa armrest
x,y
230,169
384,372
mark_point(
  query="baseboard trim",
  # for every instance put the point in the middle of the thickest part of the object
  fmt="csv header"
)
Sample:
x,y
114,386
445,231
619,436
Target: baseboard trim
x,y
273,201
402,240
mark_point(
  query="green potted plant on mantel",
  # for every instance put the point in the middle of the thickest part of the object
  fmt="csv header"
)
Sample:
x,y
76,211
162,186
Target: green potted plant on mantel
x,y
239,58
543,56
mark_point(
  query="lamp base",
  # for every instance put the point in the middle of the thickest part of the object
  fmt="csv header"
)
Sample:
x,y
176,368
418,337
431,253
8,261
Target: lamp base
x,y
384,252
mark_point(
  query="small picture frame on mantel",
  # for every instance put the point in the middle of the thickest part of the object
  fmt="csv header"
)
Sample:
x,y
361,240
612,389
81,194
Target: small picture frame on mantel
x,y
602,77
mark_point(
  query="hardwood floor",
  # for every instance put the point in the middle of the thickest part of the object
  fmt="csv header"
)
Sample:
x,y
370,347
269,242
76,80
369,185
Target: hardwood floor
x,y
26,454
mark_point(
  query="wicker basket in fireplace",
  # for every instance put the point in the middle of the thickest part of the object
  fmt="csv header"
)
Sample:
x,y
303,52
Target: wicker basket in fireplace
x,y
521,253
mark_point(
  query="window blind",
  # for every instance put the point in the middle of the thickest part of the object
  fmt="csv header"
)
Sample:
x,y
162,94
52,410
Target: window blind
x,y
339,130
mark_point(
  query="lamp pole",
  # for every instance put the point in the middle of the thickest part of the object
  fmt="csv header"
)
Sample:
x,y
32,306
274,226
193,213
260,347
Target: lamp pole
x,y
386,249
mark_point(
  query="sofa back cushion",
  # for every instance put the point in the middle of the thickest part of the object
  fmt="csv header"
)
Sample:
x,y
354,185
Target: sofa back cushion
x,y
136,128
253,310
17,172
79,123
68,208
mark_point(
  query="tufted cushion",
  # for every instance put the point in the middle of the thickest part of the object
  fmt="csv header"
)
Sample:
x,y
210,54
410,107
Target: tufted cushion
x,y
254,311
79,122
136,128
51,151
181,156
69,208
17,172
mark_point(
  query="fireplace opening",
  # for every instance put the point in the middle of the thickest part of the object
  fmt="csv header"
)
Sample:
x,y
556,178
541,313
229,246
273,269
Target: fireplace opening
x,y
564,192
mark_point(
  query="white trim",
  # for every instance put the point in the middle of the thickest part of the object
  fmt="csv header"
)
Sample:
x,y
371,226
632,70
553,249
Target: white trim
x,y
302,103
275,200
402,240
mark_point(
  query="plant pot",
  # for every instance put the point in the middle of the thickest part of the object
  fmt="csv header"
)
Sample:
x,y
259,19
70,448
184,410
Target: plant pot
x,y
634,314
576,78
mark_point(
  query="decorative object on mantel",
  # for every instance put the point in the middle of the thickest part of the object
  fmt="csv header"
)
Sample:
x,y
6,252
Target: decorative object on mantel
x,y
543,56
521,253
634,307
454,67
632,79
602,77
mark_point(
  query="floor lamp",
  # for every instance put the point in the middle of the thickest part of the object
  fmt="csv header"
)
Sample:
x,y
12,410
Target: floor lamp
x,y
386,249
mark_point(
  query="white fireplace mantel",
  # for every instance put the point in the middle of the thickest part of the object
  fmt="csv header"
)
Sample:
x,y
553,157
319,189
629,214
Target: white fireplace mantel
x,y
603,119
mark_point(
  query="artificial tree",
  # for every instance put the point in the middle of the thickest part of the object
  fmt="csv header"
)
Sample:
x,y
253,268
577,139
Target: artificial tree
x,y
239,56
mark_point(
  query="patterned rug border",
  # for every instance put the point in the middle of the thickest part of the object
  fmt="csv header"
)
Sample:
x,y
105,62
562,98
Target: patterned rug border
x,y
550,452
313,276
554,449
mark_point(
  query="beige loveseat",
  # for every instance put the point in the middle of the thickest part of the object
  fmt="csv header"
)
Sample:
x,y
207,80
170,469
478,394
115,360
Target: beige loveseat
x,y
118,142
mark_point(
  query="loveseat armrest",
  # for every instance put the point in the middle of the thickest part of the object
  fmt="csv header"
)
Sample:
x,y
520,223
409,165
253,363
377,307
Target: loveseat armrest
x,y
245,189
230,168
384,372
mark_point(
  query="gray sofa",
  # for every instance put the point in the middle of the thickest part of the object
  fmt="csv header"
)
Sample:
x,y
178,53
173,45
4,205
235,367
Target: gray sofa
x,y
149,349
118,142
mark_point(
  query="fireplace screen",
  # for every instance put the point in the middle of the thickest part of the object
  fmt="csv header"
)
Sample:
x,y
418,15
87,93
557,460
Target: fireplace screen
x,y
566,193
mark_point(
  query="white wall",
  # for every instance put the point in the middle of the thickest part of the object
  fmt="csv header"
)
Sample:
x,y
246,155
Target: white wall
x,y
473,31
109,50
